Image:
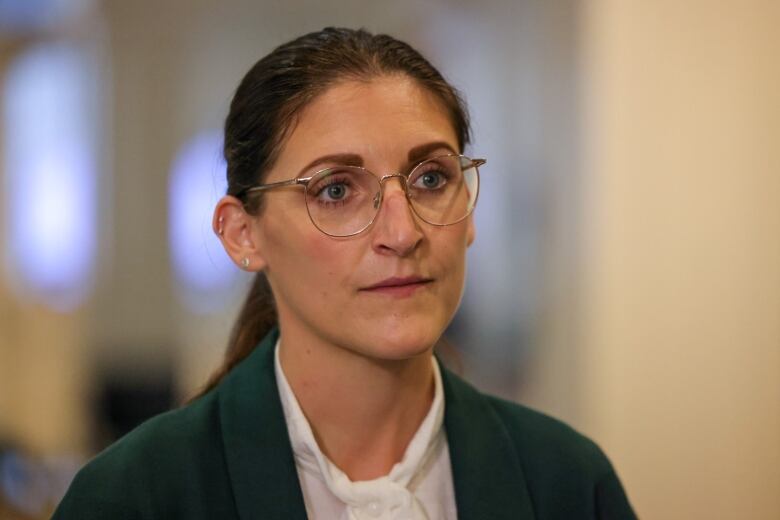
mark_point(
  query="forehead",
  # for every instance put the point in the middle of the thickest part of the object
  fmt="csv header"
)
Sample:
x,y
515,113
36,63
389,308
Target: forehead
x,y
381,120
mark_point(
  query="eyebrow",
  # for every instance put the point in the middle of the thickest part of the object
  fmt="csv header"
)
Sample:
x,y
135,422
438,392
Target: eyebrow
x,y
415,155
420,152
346,159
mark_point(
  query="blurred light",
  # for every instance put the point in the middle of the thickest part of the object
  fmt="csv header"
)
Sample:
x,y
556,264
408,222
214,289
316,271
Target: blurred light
x,y
31,485
50,174
23,483
204,272
17,16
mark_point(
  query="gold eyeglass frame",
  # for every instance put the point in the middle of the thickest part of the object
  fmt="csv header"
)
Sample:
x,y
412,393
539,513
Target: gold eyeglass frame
x,y
304,181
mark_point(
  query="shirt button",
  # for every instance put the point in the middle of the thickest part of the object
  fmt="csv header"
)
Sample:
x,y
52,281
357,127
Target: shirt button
x,y
374,508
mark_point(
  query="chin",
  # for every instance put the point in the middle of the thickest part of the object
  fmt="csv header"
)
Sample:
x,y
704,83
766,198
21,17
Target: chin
x,y
402,343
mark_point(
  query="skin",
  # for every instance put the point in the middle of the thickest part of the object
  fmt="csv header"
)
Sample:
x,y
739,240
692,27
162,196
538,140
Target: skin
x,y
358,361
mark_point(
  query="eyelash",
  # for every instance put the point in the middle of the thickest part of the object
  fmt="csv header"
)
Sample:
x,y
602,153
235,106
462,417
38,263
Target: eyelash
x,y
435,168
330,182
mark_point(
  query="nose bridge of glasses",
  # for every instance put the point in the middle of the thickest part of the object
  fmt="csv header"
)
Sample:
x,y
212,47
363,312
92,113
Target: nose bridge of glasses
x,y
401,178
382,194
401,181
383,191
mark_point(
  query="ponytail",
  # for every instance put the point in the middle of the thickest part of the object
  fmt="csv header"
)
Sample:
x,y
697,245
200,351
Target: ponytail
x,y
256,319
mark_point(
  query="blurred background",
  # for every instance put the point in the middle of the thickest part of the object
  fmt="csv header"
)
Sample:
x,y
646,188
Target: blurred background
x,y
625,277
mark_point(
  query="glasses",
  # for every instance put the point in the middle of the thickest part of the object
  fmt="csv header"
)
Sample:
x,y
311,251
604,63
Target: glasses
x,y
344,200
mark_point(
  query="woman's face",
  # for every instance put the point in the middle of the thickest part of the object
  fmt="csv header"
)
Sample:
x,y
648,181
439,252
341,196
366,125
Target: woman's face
x,y
325,287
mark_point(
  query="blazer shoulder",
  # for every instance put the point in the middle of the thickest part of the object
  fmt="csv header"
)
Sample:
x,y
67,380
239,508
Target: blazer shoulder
x,y
544,440
565,473
568,474
162,439
149,461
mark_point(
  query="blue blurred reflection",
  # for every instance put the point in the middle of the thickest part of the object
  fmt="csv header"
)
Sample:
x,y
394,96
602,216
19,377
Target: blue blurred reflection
x,y
20,16
50,174
204,273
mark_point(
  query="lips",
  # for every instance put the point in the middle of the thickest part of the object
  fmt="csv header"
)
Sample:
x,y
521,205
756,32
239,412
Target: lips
x,y
398,286
399,282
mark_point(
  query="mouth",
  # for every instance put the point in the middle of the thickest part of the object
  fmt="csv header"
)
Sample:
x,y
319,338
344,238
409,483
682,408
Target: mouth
x,y
399,287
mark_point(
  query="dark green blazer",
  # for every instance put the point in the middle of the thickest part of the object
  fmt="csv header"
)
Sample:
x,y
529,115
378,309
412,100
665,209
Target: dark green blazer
x,y
228,456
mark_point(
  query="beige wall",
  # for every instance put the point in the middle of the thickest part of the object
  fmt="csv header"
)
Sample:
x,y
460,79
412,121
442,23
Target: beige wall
x,y
43,374
682,298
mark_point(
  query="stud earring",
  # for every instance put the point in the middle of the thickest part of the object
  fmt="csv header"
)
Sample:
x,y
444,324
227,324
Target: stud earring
x,y
245,262
221,229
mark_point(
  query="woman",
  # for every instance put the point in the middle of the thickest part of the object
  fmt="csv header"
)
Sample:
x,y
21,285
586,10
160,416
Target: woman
x,y
349,196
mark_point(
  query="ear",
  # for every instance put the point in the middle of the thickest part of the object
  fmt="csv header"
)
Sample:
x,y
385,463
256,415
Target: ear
x,y
235,229
471,231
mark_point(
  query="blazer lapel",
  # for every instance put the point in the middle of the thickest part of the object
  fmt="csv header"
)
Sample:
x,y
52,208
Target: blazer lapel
x,y
486,471
257,446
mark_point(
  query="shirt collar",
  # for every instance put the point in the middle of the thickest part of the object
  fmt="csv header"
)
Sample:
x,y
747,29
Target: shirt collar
x,y
391,488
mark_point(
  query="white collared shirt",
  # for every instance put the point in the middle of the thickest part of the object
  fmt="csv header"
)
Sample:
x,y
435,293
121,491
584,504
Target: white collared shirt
x,y
418,487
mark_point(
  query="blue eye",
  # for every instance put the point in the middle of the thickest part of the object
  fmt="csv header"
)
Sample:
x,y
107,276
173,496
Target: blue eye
x,y
336,191
430,180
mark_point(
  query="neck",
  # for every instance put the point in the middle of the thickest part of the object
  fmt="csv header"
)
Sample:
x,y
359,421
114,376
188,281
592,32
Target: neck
x,y
363,411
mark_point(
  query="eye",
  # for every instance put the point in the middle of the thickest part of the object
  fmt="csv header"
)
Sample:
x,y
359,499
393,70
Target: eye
x,y
335,191
430,180
335,188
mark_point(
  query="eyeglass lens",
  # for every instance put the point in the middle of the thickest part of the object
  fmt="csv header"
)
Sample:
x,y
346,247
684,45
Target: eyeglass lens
x,y
343,201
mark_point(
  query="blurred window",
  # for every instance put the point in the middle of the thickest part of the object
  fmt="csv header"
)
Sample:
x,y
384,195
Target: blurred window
x,y
204,273
49,132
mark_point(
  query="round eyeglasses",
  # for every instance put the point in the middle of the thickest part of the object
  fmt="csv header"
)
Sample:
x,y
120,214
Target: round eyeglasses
x,y
344,200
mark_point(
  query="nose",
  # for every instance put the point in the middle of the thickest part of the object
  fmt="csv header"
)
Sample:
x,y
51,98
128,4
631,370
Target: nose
x,y
396,227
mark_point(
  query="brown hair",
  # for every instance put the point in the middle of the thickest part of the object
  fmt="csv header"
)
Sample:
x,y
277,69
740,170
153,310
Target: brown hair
x,y
264,110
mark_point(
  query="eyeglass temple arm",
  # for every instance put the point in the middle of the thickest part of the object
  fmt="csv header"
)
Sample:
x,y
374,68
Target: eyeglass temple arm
x,y
478,162
279,184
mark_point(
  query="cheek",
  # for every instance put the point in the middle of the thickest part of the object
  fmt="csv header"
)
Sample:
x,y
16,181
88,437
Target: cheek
x,y
323,258
284,234
451,246
451,252
304,259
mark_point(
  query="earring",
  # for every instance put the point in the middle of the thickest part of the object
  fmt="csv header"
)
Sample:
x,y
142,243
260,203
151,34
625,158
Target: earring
x,y
221,229
245,262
